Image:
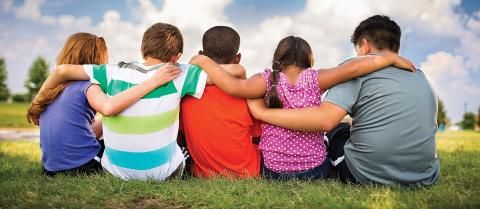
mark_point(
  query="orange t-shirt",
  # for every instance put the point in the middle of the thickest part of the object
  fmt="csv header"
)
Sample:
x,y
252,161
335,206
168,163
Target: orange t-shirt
x,y
218,129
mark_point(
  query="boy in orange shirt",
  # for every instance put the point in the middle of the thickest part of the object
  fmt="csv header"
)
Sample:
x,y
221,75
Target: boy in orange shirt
x,y
218,127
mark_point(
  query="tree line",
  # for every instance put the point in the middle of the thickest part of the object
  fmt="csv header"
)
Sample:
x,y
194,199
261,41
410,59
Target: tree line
x,y
38,73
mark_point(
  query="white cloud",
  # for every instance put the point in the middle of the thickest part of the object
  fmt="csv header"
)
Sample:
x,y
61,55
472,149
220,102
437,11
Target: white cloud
x,y
449,77
474,22
6,5
326,25
124,38
30,10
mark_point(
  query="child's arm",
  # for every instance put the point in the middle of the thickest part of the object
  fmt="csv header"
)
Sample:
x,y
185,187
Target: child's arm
x,y
322,118
361,66
64,73
237,72
97,127
109,106
60,74
253,87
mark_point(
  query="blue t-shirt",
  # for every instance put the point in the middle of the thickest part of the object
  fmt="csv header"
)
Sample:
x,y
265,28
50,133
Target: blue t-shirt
x,y
66,136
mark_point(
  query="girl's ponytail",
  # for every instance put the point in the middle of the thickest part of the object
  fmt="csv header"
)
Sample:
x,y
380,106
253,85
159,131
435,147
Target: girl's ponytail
x,y
273,101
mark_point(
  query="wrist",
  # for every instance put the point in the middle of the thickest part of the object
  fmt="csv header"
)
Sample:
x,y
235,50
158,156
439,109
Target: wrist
x,y
260,113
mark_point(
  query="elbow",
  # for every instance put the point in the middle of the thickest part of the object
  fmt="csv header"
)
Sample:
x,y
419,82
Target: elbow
x,y
329,127
326,126
108,110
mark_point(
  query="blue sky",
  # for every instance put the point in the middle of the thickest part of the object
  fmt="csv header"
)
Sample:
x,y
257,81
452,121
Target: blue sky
x,y
440,36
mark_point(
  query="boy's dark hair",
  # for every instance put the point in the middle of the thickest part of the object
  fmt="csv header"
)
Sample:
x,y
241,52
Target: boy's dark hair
x,y
221,44
162,41
381,31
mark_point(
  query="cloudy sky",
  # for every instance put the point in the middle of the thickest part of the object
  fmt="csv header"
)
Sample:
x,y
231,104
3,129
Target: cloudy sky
x,y
442,37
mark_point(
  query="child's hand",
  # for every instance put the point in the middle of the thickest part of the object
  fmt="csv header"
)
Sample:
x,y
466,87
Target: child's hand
x,y
403,63
166,74
31,117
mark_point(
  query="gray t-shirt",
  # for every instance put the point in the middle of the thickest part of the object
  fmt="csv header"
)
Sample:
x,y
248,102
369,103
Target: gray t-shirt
x,y
392,140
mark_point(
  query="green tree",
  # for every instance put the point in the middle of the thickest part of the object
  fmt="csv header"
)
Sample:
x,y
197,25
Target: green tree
x,y
468,121
4,92
442,114
37,75
478,117
19,97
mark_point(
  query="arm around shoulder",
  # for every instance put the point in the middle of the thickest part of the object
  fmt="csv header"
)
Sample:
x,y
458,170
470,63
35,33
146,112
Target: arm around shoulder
x,y
312,119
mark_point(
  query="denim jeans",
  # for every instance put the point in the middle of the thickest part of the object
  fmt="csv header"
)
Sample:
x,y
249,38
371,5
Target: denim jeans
x,y
317,173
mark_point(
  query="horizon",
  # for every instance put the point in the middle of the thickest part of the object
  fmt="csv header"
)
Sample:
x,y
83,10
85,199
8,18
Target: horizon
x,y
441,37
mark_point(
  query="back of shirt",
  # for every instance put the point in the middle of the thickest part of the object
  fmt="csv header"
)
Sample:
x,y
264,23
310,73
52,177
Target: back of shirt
x,y
66,135
140,142
394,125
218,129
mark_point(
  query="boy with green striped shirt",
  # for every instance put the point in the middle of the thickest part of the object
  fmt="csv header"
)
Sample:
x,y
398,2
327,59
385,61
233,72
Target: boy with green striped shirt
x,y
140,142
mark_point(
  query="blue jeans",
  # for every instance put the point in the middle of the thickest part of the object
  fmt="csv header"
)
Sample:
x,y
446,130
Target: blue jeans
x,y
317,173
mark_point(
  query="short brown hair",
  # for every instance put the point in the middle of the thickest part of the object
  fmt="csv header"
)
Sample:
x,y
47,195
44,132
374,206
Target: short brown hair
x,y
162,41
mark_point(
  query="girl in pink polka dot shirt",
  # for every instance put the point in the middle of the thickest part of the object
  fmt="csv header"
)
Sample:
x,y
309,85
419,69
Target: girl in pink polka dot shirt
x,y
292,84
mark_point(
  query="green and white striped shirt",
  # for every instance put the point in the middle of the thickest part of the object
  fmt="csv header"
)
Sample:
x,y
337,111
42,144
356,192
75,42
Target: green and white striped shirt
x,y
140,142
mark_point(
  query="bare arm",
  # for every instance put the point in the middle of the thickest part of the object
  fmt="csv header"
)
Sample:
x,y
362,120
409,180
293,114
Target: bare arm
x,y
361,66
322,118
110,106
253,87
97,127
64,73
60,74
235,70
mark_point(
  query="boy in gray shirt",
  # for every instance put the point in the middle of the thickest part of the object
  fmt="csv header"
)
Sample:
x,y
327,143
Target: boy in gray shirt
x,y
392,140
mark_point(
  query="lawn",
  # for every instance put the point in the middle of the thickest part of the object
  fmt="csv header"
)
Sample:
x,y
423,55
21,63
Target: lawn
x,y
22,185
13,115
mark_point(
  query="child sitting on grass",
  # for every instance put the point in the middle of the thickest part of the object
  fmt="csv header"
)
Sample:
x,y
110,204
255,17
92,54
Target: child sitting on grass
x,y
292,84
66,112
218,127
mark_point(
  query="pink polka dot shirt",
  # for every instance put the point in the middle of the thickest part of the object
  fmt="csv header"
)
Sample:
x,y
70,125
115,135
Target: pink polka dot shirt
x,y
285,150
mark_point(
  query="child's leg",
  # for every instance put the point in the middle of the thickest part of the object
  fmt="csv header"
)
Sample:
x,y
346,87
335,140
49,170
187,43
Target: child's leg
x,y
182,143
91,167
336,141
178,172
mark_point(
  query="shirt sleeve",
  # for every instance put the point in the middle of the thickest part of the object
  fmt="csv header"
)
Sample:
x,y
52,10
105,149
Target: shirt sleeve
x,y
195,82
344,95
98,74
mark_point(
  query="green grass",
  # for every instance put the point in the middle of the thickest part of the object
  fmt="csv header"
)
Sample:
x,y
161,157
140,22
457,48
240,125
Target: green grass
x,y
23,186
13,115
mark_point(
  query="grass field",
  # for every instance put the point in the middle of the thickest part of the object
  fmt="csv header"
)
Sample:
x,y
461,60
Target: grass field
x,y
13,115
23,186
